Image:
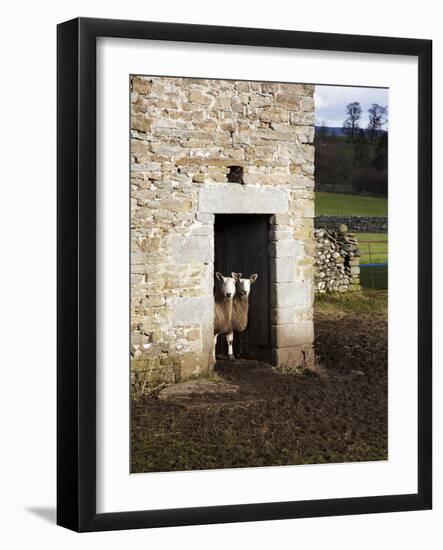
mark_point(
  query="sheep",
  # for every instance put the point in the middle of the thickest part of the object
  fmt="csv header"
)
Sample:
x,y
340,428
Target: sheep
x,y
223,300
240,307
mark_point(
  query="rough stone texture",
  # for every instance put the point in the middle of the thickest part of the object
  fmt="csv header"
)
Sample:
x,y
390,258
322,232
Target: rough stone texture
x,y
186,135
337,262
359,224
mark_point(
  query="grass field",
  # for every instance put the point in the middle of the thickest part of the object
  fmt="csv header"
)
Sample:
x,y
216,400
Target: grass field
x,y
374,277
374,253
366,302
337,204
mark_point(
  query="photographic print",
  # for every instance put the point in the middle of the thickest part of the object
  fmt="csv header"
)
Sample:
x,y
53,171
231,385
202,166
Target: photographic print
x,y
222,274
258,274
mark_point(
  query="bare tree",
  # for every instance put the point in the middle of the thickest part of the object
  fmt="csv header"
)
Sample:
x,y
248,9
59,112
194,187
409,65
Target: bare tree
x,y
377,118
354,111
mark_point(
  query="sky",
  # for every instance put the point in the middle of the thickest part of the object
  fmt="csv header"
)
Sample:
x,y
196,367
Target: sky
x,y
331,101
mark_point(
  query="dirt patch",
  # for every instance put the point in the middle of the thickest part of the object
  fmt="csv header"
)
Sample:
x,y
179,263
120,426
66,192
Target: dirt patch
x,y
335,413
199,393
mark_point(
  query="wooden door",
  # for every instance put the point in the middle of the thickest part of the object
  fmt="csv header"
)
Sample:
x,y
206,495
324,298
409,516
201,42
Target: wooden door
x,y
241,245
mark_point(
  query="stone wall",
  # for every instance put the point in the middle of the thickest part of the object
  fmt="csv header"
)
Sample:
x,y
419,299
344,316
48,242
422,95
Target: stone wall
x,y
359,224
337,262
187,134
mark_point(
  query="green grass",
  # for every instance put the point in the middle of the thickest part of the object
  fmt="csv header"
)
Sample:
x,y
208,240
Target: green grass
x,y
374,277
366,301
373,253
339,204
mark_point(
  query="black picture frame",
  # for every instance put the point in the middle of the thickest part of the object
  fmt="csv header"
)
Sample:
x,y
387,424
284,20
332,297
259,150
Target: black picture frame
x,y
76,265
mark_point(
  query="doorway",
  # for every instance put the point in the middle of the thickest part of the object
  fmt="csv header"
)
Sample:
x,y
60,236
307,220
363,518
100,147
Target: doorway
x,y
241,245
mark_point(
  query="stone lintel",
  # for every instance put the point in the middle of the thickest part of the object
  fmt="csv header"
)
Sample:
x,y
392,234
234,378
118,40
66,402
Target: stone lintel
x,y
235,198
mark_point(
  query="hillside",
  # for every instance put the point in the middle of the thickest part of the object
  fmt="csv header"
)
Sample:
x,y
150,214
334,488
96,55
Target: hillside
x,y
339,204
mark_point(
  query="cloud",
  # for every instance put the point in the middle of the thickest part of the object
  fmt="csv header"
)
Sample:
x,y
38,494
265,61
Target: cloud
x,y
331,101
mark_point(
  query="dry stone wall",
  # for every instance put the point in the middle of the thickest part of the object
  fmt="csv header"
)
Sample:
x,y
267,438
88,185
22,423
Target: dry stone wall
x,y
337,261
188,136
359,224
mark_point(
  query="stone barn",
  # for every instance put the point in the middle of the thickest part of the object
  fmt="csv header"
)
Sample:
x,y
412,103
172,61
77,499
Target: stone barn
x,y
222,178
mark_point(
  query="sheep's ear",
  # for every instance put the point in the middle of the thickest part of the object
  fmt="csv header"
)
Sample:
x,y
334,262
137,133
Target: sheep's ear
x,y
219,276
237,276
253,278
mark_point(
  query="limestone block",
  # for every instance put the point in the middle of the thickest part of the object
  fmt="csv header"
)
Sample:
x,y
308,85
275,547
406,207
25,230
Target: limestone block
x,y
282,315
192,310
284,128
255,178
277,235
203,231
293,357
141,85
294,334
285,249
192,248
280,219
305,207
203,217
307,104
193,365
282,270
301,118
273,115
198,98
199,178
305,134
293,294
235,198
193,333
141,123
207,331
288,101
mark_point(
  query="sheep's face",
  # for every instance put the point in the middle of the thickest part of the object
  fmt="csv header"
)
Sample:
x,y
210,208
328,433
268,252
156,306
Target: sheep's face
x,y
226,286
243,286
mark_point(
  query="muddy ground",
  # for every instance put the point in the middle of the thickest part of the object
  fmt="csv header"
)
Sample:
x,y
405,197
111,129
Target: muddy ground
x,y
334,413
